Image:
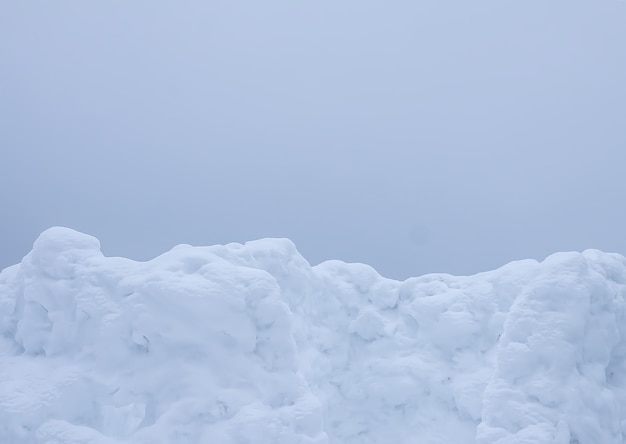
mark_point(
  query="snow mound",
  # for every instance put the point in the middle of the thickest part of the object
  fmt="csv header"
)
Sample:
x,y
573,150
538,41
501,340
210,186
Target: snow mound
x,y
248,343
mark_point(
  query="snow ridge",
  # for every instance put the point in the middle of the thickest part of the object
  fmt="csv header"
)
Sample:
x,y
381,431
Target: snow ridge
x,y
250,344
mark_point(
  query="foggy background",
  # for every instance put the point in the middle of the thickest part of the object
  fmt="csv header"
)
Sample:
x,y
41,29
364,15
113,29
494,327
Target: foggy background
x,y
415,136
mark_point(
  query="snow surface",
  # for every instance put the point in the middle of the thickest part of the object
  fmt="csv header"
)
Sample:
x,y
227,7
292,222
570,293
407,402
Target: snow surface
x,y
250,344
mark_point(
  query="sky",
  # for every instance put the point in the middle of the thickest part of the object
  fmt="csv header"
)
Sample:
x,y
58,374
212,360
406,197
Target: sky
x,y
414,136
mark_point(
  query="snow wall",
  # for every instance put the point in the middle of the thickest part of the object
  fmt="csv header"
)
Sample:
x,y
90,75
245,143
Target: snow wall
x,y
250,344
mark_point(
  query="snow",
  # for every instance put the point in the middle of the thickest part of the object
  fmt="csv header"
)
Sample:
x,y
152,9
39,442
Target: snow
x,y
248,343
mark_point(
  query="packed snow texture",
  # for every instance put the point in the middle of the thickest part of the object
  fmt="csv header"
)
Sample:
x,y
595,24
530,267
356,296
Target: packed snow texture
x,y
250,344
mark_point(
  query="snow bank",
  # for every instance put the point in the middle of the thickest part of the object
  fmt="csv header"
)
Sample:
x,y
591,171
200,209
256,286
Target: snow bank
x,y
249,344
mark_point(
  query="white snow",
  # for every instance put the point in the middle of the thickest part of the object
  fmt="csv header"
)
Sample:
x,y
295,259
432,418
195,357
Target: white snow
x,y
250,344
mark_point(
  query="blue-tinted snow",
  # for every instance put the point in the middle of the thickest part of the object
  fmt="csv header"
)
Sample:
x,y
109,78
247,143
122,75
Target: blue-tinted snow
x,y
250,344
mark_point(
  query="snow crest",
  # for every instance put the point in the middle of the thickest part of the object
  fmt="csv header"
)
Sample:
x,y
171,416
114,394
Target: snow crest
x,y
239,344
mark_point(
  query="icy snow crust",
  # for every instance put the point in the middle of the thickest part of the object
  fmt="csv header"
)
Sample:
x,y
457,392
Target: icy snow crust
x,y
250,344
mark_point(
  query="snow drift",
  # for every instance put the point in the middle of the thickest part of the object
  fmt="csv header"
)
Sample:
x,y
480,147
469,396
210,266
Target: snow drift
x,y
250,344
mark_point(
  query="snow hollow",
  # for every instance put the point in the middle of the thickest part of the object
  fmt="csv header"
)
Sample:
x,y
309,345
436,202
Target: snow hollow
x,y
239,344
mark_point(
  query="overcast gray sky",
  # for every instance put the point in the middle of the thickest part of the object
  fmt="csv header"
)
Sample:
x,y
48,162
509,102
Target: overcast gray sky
x,y
415,136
